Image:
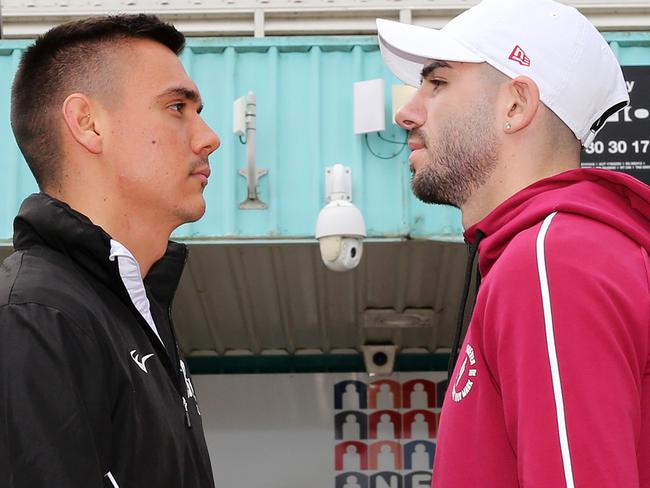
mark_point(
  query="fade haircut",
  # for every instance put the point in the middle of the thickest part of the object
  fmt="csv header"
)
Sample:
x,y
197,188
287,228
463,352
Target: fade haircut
x,y
557,132
70,58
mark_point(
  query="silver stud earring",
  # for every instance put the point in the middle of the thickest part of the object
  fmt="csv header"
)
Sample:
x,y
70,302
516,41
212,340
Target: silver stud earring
x,y
508,126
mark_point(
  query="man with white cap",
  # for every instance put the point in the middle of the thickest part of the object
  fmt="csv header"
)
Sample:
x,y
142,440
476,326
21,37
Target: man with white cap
x,y
552,386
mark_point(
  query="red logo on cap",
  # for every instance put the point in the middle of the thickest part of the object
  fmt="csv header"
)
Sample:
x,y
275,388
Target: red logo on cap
x,y
519,55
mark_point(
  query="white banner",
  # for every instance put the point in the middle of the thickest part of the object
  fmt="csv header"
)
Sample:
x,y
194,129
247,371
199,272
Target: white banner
x,y
321,430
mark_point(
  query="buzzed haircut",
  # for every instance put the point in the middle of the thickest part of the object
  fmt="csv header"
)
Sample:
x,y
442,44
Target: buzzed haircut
x,y
71,58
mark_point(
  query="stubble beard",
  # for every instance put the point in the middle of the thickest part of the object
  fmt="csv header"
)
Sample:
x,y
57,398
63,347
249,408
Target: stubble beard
x,y
462,156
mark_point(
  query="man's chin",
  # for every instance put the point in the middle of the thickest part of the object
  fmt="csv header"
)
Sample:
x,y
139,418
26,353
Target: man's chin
x,y
198,214
425,191
192,213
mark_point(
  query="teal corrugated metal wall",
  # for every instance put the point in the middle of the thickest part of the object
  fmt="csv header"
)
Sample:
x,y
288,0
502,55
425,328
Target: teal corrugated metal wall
x,y
304,124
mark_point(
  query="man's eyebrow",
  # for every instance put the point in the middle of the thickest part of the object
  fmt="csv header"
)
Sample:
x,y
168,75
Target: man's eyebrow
x,y
182,92
432,66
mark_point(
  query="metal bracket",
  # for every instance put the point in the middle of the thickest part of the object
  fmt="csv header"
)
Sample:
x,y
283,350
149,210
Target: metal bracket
x,y
251,173
252,202
338,183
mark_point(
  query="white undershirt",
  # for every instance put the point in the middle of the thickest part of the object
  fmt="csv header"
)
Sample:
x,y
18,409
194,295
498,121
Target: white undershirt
x,y
132,279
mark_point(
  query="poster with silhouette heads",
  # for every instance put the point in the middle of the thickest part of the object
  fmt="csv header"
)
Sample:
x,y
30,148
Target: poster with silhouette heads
x,y
396,419
340,430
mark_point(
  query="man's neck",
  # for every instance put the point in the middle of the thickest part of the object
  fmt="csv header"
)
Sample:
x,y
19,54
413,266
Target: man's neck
x,y
511,175
147,247
144,235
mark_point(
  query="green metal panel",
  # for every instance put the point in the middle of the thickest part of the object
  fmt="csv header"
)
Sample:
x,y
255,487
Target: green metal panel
x,y
304,124
322,363
16,181
631,48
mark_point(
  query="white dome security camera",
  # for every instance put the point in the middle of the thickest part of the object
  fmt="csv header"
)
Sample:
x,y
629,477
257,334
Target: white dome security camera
x,y
340,228
340,231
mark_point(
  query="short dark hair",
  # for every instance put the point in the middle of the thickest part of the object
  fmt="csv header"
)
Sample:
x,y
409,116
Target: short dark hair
x,y
69,58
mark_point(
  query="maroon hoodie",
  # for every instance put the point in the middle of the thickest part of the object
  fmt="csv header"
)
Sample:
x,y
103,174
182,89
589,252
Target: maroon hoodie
x,y
552,386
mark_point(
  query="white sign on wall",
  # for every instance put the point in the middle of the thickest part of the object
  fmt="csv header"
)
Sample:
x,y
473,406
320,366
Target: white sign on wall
x,y
321,430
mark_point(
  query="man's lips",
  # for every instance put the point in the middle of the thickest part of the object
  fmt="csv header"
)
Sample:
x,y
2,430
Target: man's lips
x,y
203,174
416,148
415,145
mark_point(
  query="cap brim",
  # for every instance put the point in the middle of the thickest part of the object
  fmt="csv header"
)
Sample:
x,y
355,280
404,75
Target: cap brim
x,y
405,48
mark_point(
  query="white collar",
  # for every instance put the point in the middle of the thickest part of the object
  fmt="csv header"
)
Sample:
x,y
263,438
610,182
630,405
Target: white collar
x,y
132,279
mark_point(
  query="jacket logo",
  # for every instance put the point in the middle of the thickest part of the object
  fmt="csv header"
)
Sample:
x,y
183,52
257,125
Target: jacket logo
x,y
140,362
519,56
458,392
188,383
189,388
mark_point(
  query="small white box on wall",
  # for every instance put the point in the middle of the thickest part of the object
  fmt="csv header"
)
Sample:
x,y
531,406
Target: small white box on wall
x,y
239,116
369,106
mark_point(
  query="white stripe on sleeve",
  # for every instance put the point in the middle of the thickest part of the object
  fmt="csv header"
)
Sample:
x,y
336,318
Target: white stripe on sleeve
x,y
552,353
109,475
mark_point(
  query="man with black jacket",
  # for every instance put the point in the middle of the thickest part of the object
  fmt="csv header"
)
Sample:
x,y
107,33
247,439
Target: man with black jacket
x,y
94,391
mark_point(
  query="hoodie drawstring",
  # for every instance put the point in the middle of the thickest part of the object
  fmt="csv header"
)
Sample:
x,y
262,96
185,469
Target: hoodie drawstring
x,y
473,250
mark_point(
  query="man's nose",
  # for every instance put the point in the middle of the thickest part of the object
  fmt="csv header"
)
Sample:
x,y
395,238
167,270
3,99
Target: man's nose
x,y
412,115
207,141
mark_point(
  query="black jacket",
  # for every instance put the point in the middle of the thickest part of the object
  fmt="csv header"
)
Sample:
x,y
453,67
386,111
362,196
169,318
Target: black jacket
x,y
80,406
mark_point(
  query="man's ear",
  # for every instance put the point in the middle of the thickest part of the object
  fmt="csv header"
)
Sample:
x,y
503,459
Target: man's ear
x,y
522,104
81,122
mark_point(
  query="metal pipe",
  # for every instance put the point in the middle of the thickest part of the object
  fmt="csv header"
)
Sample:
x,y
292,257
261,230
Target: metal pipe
x,y
250,145
251,173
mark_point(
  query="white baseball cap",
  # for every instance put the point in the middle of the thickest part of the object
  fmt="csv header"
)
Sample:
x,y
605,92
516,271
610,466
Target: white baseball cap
x,y
577,74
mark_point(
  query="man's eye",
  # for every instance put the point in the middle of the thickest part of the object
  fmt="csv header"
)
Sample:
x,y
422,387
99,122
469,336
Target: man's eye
x,y
434,81
178,107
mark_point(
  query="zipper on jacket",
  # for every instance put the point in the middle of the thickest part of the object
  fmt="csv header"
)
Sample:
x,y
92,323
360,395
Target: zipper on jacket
x,y
458,336
179,373
188,422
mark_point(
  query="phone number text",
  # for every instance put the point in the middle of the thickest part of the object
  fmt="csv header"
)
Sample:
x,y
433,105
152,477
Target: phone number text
x,y
618,147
